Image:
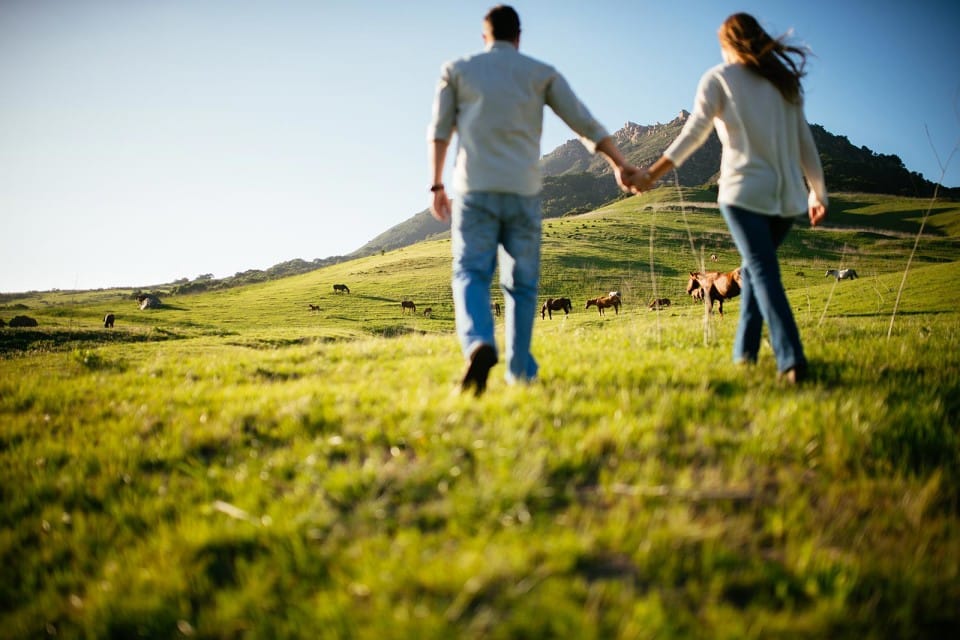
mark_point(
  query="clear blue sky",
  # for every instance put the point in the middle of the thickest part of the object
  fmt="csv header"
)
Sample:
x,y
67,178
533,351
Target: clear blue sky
x,y
143,141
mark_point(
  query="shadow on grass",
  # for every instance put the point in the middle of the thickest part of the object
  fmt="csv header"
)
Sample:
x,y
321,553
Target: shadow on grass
x,y
899,313
843,215
365,297
19,341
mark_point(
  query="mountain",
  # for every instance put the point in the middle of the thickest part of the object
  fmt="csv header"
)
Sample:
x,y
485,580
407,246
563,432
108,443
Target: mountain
x,y
576,181
414,229
641,145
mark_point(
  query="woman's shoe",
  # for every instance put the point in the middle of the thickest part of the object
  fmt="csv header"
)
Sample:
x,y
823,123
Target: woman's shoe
x,y
795,375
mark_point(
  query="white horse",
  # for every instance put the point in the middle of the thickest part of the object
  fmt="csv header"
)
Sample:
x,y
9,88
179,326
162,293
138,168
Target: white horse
x,y
842,274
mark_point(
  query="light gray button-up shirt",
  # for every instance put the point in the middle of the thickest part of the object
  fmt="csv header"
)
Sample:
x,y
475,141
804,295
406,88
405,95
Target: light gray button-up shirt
x,y
494,101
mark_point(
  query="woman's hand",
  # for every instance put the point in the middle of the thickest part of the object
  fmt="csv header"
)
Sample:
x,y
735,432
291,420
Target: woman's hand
x,y
817,212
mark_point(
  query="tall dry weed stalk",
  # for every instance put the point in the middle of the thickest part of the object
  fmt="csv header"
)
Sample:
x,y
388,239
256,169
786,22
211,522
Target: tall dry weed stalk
x,y
698,258
926,215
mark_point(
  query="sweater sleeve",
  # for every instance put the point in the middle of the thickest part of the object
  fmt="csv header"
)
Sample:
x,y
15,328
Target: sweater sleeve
x,y
443,121
707,104
810,162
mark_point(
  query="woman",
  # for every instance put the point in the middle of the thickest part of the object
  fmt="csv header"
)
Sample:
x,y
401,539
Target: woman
x,y
755,101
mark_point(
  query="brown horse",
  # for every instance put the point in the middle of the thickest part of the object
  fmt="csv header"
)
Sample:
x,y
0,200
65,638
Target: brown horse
x,y
341,288
556,304
711,286
659,303
408,304
605,302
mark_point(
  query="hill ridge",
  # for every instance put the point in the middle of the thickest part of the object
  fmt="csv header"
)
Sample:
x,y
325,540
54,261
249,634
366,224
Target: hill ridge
x,y
576,181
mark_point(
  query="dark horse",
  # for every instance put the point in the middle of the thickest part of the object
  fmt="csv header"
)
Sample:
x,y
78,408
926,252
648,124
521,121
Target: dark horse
x,y
711,286
556,304
659,303
341,288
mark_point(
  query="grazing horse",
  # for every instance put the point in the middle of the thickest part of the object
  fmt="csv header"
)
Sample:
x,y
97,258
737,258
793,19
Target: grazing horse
x,y
714,285
408,304
659,303
604,302
556,304
495,307
714,258
341,288
108,321
842,274
314,307
427,312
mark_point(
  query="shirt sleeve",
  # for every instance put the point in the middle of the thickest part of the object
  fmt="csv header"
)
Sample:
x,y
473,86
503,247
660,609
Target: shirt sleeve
x,y
444,119
810,162
561,99
706,105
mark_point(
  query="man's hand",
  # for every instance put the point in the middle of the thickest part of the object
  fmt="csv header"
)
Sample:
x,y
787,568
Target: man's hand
x,y
623,171
440,206
439,202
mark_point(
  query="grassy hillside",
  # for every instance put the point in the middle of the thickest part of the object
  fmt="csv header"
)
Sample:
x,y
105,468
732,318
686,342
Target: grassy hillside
x,y
234,464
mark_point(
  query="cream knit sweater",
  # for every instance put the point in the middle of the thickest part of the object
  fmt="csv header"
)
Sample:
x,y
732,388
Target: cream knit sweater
x,y
768,148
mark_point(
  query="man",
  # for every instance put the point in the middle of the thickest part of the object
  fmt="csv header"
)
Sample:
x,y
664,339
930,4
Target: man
x,y
494,100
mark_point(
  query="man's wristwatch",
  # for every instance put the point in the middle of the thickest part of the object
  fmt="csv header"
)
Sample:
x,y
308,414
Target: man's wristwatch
x,y
436,187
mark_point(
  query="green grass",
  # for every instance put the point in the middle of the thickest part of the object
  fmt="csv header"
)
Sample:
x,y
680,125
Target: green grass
x,y
235,465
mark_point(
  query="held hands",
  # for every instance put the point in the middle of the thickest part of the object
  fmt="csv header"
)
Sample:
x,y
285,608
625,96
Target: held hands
x,y
633,179
642,181
626,175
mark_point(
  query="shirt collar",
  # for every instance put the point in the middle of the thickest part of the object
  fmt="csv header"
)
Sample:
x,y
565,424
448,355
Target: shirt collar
x,y
501,45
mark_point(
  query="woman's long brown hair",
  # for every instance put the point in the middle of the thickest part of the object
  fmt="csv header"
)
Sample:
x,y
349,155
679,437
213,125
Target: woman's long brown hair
x,y
771,57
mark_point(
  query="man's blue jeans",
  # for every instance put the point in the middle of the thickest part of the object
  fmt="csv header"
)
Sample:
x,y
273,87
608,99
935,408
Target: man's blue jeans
x,y
763,298
485,224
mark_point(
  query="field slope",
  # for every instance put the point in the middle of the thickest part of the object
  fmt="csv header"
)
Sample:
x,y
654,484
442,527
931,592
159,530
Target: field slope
x,y
235,464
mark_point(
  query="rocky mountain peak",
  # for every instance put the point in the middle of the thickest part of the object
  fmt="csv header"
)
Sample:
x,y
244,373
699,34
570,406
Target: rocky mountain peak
x,y
630,132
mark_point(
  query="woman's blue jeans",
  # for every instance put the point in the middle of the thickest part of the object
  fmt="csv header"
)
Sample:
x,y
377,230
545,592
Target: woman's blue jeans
x,y
487,226
763,298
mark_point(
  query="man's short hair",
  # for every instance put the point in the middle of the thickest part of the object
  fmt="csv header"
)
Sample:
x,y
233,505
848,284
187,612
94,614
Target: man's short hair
x,y
504,22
